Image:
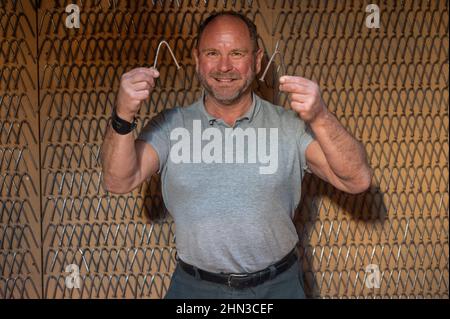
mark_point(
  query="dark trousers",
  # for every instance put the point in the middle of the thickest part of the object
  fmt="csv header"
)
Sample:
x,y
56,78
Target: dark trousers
x,y
287,285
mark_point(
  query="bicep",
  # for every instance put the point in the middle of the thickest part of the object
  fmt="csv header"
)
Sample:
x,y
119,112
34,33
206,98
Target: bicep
x,y
318,164
148,161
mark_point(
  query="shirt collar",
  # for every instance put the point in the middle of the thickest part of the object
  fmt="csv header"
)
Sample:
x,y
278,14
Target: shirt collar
x,y
249,115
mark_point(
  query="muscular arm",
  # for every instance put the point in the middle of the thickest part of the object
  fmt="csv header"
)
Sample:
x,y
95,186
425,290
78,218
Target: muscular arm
x,y
126,163
337,157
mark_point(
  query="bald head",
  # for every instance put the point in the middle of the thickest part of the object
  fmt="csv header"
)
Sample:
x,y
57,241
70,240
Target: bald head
x,y
230,19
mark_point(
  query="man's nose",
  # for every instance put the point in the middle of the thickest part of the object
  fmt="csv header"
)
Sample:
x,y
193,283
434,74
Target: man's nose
x,y
225,64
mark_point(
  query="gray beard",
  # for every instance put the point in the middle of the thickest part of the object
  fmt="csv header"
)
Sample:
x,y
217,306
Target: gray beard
x,y
230,100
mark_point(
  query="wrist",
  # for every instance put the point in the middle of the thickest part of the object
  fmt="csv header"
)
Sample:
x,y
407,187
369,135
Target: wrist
x,y
321,120
122,126
126,116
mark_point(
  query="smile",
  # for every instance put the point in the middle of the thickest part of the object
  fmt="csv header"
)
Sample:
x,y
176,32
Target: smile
x,y
224,80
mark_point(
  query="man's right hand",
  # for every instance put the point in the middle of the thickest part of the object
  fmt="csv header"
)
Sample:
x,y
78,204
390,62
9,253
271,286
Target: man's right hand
x,y
135,87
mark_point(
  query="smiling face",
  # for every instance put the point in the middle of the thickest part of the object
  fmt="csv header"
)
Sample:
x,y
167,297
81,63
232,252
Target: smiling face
x,y
226,61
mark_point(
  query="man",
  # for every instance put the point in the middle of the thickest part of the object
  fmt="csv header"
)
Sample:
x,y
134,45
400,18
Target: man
x,y
231,166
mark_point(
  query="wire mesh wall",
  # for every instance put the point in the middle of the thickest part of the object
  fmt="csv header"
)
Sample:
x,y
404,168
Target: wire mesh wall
x,y
387,85
20,220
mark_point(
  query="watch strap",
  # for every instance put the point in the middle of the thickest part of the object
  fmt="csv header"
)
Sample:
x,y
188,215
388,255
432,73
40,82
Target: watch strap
x,y
120,125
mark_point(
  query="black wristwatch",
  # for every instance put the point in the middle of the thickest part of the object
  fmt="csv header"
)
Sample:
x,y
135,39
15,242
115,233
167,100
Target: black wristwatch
x,y
120,125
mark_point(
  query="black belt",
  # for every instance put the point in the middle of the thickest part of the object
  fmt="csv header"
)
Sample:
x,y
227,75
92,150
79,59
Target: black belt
x,y
243,280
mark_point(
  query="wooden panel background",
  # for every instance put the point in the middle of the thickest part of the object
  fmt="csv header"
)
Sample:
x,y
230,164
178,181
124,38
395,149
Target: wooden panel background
x,y
388,86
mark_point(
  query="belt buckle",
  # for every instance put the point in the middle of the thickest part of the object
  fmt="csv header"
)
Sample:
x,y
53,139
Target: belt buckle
x,y
231,276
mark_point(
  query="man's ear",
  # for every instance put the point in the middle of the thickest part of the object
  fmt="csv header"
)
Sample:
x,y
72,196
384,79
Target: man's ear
x,y
259,55
195,55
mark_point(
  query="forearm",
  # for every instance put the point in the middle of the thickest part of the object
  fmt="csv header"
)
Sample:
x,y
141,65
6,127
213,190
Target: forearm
x,y
345,155
119,160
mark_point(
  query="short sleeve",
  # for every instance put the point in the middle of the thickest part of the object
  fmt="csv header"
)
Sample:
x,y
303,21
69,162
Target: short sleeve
x,y
304,137
156,134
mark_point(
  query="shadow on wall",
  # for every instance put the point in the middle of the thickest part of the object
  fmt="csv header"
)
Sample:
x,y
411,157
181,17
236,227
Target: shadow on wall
x,y
154,208
316,231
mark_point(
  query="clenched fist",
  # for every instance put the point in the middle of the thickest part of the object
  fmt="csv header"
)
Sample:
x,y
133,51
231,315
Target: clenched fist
x,y
304,96
135,87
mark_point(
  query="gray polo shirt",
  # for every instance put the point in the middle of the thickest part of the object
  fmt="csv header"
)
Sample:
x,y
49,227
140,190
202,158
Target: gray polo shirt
x,y
232,191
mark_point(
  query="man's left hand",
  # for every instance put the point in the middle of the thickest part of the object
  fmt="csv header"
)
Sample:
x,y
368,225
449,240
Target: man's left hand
x,y
304,97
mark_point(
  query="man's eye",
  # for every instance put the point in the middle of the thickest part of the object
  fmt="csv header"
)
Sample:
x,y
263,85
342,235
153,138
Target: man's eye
x,y
237,54
211,53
